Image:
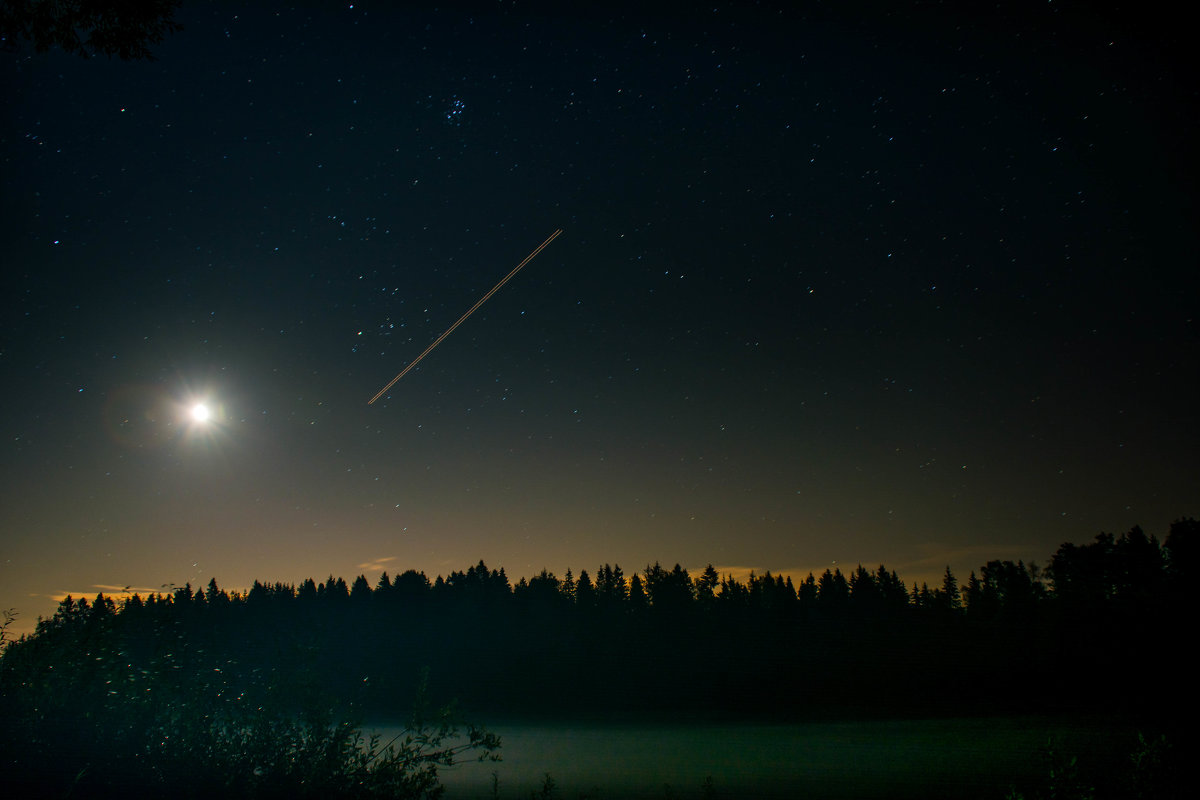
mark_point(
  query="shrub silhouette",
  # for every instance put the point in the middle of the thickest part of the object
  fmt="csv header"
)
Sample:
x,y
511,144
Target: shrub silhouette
x,y
94,709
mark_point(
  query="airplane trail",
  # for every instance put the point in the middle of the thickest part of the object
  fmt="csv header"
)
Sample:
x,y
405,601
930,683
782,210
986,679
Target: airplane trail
x,y
463,318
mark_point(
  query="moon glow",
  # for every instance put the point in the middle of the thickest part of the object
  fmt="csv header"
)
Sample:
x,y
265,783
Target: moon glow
x,y
200,413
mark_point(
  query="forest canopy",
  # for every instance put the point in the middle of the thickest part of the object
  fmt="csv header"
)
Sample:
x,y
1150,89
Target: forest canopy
x,y
1097,631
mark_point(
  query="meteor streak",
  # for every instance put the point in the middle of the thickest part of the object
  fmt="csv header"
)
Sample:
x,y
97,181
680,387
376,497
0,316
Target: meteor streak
x,y
463,318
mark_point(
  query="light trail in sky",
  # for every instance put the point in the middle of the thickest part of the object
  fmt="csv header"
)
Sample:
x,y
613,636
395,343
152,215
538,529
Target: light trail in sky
x,y
463,318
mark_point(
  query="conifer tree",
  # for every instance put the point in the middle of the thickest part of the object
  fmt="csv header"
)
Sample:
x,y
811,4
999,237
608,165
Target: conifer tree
x,y
360,591
384,585
637,594
217,597
807,593
585,592
973,595
620,591
949,595
832,591
307,592
706,586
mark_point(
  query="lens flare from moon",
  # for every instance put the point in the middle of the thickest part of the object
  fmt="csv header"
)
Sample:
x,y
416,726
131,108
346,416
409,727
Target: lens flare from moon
x,y
201,413
463,318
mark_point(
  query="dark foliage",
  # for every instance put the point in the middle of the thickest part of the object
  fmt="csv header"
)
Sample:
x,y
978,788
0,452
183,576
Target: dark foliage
x,y
1101,633
122,28
157,697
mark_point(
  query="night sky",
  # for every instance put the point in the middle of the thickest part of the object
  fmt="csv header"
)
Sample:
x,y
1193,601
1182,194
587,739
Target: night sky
x,y
837,284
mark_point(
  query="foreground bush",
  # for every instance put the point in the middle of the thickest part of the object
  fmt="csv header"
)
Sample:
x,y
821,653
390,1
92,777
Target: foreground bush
x,y
88,712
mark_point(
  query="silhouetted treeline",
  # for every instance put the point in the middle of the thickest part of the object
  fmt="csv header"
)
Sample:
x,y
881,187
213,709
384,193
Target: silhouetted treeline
x,y
1100,629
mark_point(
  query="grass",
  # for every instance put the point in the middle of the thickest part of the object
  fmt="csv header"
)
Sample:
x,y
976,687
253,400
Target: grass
x,y
1016,757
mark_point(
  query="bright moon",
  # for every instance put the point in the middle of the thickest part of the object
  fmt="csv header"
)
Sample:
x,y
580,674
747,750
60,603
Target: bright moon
x,y
200,412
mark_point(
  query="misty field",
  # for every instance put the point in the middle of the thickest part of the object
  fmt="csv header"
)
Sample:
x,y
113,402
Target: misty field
x,y
978,758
